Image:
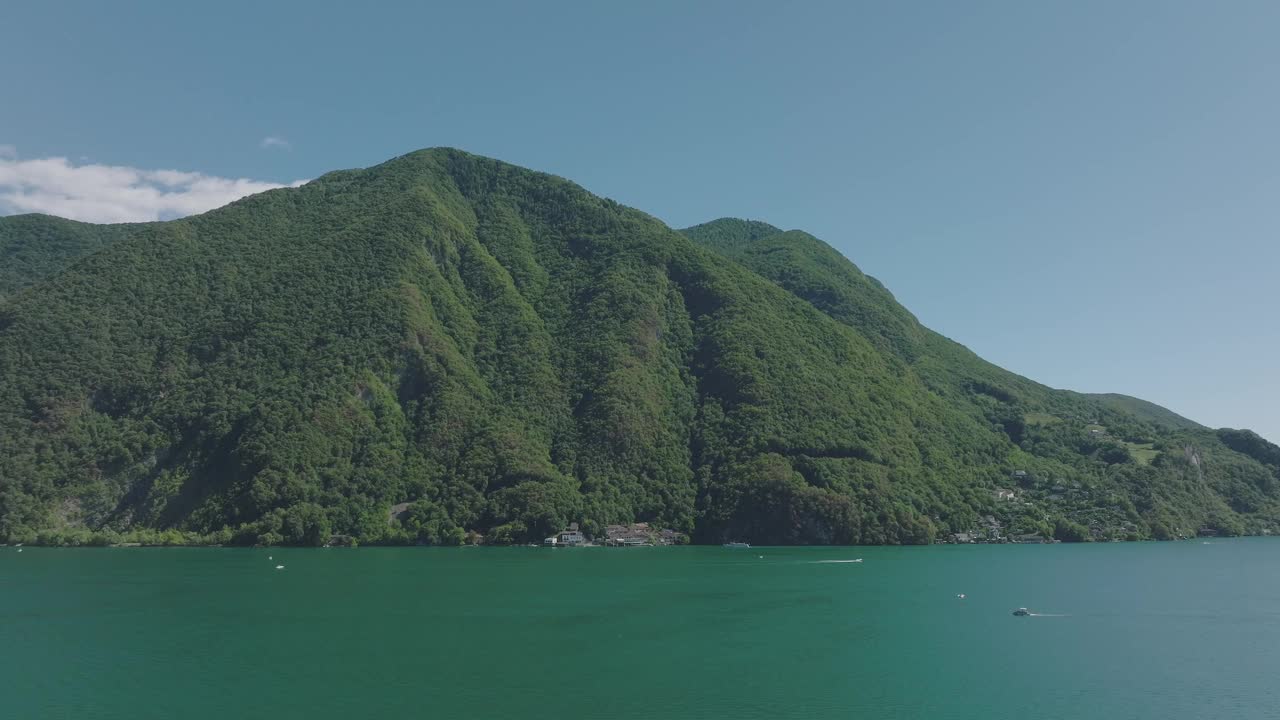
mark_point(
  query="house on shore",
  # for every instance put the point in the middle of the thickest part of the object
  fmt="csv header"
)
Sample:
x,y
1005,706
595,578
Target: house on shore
x,y
639,534
633,535
569,537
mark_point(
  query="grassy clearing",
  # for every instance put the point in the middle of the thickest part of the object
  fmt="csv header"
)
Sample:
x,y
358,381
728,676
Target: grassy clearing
x,y
1142,453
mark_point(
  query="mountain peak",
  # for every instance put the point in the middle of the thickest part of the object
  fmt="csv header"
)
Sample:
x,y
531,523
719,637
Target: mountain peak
x,y
730,232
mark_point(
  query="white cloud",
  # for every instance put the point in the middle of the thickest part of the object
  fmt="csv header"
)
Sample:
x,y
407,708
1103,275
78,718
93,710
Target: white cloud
x,y
272,141
113,193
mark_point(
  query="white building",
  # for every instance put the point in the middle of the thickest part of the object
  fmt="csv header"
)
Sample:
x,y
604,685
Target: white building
x,y
570,537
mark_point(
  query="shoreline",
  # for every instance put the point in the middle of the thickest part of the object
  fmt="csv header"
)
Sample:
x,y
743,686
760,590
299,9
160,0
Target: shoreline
x,y
1207,540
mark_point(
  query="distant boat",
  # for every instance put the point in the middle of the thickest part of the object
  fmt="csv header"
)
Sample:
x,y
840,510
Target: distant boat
x,y
279,567
1022,612
737,545
960,595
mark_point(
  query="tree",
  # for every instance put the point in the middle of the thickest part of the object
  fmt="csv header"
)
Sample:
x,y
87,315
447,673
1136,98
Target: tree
x,y
306,524
1068,531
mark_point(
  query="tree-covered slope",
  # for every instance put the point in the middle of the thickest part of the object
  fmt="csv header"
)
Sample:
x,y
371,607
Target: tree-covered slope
x,y
445,343
1126,447
1148,411
34,247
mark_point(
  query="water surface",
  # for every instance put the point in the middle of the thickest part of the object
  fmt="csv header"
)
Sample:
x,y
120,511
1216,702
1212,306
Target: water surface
x,y
1150,630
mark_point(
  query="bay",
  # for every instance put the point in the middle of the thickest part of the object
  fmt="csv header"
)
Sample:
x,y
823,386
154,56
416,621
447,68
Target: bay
x,y
1141,630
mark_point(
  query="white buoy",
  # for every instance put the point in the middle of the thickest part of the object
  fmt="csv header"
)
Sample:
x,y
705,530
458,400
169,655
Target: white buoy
x,y
19,549
268,557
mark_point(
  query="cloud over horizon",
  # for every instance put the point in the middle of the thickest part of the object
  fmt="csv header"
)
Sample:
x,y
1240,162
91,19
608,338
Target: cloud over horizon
x,y
114,193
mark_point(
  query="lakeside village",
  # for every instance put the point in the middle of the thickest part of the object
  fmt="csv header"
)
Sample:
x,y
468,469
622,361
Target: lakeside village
x,y
1022,515
633,535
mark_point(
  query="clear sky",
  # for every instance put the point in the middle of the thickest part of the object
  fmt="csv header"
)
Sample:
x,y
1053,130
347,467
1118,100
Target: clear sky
x,y
1087,193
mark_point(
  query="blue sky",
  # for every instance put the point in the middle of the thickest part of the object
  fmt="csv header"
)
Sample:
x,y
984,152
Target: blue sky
x,y
1087,193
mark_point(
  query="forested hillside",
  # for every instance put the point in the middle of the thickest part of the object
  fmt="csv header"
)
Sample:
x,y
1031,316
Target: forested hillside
x,y
34,247
446,344
1112,465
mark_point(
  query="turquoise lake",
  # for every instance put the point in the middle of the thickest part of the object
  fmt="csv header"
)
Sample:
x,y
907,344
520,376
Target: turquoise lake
x,y
1143,630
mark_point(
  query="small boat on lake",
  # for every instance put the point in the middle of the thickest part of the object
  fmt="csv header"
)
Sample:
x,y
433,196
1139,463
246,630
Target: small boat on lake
x,y
737,545
1022,612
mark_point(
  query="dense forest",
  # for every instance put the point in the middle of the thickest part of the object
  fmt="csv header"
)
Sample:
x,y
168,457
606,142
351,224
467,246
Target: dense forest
x,y
446,347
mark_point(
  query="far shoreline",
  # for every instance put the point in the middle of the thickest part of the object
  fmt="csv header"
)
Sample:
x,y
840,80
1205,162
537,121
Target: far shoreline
x,y
203,546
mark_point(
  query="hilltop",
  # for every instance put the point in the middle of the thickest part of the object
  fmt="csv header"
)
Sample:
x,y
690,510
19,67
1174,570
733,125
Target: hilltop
x,y
497,351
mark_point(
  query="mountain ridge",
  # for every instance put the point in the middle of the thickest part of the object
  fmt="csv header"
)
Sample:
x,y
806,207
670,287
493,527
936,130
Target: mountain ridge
x,y
506,353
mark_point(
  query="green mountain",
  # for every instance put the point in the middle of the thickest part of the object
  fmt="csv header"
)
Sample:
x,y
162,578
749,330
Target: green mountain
x,y
446,344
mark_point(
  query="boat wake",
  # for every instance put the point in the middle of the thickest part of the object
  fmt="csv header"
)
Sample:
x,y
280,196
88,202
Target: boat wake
x,y
1046,615
830,562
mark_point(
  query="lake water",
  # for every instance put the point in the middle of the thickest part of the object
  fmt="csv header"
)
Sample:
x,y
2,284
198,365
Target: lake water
x,y
1168,630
